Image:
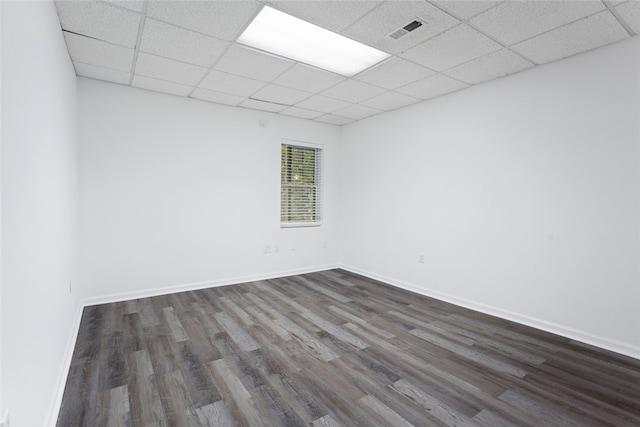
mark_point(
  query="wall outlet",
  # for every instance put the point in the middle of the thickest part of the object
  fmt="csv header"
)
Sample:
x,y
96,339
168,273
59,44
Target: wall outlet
x,y
267,249
421,258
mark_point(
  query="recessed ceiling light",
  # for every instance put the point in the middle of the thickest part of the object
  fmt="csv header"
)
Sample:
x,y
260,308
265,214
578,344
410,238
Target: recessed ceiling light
x,y
276,32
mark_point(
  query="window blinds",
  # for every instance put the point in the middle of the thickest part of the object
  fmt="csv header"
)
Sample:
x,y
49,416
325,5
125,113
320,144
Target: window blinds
x,y
301,189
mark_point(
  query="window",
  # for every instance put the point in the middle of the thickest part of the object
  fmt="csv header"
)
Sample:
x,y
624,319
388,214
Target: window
x,y
301,185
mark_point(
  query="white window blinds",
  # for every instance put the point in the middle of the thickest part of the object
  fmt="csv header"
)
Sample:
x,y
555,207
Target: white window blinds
x,y
301,185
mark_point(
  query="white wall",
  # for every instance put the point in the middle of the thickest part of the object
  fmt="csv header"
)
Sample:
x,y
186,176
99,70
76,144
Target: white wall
x,y
2,410
523,194
177,191
39,208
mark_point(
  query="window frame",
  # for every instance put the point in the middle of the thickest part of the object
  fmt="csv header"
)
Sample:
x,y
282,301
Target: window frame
x,y
318,179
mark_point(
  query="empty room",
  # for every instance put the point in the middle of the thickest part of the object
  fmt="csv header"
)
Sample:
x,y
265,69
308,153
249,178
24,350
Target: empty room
x,y
320,213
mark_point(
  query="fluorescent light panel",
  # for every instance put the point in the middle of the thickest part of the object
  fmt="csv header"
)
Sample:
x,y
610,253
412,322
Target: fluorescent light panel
x,y
276,32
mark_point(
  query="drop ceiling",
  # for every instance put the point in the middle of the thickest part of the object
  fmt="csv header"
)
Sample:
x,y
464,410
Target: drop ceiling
x,y
189,49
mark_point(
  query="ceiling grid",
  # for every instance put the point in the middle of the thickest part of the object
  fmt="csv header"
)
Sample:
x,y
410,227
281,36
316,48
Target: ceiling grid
x,y
189,48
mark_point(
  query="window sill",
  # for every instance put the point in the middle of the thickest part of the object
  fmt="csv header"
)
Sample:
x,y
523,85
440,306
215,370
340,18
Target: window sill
x,y
299,224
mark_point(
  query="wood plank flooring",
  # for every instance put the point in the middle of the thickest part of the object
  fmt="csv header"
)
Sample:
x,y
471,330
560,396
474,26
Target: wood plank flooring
x,y
333,349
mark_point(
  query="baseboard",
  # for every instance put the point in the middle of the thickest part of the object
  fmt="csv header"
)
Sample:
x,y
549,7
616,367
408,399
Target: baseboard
x,y
54,407
585,337
125,296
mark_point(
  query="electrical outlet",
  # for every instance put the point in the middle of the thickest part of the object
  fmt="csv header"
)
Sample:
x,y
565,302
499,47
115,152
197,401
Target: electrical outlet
x,y
421,258
267,249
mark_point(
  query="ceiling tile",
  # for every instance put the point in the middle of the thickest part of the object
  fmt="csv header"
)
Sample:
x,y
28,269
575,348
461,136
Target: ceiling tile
x,y
161,86
394,73
630,12
253,64
306,78
101,73
99,53
353,91
221,19
432,86
169,69
390,101
458,45
217,97
261,105
100,21
465,9
322,104
334,120
374,28
334,15
299,112
488,67
357,112
176,43
136,5
280,95
230,83
595,31
514,21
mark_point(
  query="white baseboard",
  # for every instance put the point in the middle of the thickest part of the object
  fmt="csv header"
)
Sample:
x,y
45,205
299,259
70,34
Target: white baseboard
x,y
125,296
54,406
585,337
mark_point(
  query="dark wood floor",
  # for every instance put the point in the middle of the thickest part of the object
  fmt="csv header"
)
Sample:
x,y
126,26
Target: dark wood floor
x,y
330,349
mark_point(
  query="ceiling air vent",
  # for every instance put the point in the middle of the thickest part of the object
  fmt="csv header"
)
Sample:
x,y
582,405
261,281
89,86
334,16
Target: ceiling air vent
x,y
401,32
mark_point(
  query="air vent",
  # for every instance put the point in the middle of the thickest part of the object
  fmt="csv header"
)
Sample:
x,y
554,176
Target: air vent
x,y
401,32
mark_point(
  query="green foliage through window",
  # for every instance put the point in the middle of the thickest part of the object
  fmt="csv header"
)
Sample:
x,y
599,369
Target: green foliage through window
x,y
300,184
